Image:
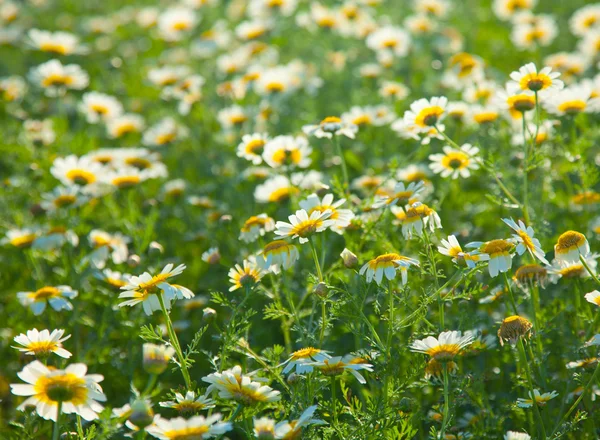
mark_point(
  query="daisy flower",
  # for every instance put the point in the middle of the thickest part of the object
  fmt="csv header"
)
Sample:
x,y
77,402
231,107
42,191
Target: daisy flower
x,y
145,288
542,31
252,147
264,428
246,276
303,226
293,429
59,43
513,328
275,254
570,246
443,348
107,245
211,256
335,366
531,275
301,360
100,106
20,238
113,278
77,392
513,435
233,385
156,358
256,226
528,78
390,38
593,297
55,78
39,132
199,427
276,189
231,117
585,19
570,269
570,101
401,194
424,114
165,132
388,265
42,343
507,9
330,126
341,217
175,22
287,151
73,170
583,363
454,163
525,240
451,248
540,399
189,404
124,124
57,297
167,75
497,252
415,218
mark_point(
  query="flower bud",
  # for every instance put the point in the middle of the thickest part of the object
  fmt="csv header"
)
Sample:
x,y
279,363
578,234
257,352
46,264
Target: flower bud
x,y
321,290
350,259
141,413
155,248
133,260
208,314
157,357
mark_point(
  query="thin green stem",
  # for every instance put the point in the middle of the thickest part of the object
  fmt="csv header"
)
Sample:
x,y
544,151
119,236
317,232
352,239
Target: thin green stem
x,y
446,410
589,270
431,256
150,384
390,332
340,153
79,427
56,430
175,343
316,258
525,171
323,322
510,294
333,402
531,389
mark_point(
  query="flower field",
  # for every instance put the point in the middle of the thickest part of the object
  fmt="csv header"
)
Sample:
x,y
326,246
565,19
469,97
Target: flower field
x,y
292,219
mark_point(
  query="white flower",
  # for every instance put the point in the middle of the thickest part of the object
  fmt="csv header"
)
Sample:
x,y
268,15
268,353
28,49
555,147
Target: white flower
x,y
388,265
526,241
335,366
301,360
57,297
425,114
293,429
341,217
73,170
59,43
287,151
174,22
199,427
454,163
593,297
445,347
232,384
252,146
540,399
390,38
513,435
331,125
302,226
55,78
42,343
121,125
99,106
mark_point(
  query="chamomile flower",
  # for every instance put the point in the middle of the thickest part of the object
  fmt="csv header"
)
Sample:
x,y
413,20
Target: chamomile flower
x,y
100,107
264,428
530,275
252,147
570,269
336,366
301,360
20,238
571,101
146,288
451,248
341,217
165,132
156,358
199,427
390,38
39,132
113,278
415,217
73,170
513,435
175,22
513,328
425,114
73,389
256,226
167,75
507,9
540,32
585,19
387,265
56,296
539,399
56,78
570,246
293,429
122,125
593,297
395,90
583,363
245,276
232,117
303,226
189,404
107,245
58,43
287,151
277,253
529,78
233,385
211,255
525,240
455,162
42,343
497,252
445,347
400,194
330,126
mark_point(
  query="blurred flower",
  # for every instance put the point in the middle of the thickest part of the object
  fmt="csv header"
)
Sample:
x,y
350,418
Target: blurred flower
x,y
42,343
57,297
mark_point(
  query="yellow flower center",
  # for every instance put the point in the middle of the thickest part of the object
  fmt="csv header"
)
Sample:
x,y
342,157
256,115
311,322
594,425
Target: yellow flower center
x,y
64,387
156,279
53,47
99,108
138,162
23,240
275,87
56,79
181,26
255,146
535,82
81,177
306,228
281,194
44,293
572,107
237,119
568,241
485,117
191,433
362,120
455,160
304,353
497,247
64,200
124,128
521,103
42,347
444,352
126,181
165,138
429,116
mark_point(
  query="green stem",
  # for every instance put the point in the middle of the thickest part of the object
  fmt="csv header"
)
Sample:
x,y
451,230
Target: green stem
x,y
525,172
431,256
572,408
340,153
531,389
333,402
592,274
175,343
150,384
388,342
79,428
316,258
56,431
323,322
446,411
510,294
